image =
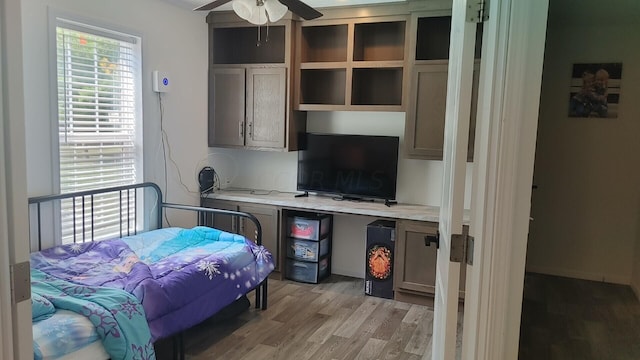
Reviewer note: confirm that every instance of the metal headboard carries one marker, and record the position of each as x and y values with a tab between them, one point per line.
83	206
129	195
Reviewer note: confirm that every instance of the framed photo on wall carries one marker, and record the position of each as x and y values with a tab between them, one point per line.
595	90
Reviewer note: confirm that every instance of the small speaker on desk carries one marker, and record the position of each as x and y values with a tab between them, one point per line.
206	178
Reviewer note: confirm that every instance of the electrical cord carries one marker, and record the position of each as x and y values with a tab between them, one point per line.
164	155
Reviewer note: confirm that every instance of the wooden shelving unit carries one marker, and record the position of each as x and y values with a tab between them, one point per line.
352	64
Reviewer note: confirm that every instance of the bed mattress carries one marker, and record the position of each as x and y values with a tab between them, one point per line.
180	276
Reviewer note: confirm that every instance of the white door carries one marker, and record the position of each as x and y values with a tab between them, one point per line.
456	137
509	90
15	316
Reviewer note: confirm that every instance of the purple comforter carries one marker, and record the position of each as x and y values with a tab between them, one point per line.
181	276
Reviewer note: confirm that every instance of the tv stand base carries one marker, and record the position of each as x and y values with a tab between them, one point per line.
305	194
390	202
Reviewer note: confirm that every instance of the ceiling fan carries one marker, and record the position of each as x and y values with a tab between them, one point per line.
260	11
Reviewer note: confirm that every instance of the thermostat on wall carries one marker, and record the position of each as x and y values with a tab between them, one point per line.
160	81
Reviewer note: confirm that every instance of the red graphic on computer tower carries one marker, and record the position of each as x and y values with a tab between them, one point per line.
379	262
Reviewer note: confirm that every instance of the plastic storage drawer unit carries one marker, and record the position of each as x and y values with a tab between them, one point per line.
309	227
309	272
310	250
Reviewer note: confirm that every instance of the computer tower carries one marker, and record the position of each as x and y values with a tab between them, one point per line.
381	237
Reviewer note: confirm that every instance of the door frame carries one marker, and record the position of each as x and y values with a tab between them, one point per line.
17	339
510	81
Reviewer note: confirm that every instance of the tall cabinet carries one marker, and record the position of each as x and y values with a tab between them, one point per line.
424	128
250	86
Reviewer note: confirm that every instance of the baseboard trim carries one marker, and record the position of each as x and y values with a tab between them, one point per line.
581	275
347	272
636	290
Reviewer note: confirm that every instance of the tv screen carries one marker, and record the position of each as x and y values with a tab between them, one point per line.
353	166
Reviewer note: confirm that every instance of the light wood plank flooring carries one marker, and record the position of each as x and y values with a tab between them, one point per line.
330	320
562	318
566	318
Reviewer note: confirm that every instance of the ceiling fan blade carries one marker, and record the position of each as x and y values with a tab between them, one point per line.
212	5
301	9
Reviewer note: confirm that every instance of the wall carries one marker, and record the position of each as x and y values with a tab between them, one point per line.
173	40
587	203
419	181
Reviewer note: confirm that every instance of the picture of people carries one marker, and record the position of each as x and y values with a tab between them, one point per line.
595	90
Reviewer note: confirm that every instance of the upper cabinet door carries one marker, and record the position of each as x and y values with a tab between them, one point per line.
226	107
266	107
425	121
424	130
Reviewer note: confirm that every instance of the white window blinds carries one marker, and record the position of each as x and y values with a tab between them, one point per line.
98	121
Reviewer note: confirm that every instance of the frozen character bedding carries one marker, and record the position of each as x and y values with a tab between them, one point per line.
179	276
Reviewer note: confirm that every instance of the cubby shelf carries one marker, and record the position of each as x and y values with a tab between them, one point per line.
353	64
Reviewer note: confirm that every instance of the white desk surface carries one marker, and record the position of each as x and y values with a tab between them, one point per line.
329	205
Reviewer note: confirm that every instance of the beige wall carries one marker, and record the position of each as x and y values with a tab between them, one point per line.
587	204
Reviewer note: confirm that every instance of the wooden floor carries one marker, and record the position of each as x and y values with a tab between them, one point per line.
331	320
561	319
566	318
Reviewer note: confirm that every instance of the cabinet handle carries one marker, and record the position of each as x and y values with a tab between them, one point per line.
429	239
241	129
250	130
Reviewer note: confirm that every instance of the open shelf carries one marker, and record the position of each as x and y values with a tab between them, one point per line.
357	64
324	43
239	45
381	41
432	41
323	86
377	86
433	37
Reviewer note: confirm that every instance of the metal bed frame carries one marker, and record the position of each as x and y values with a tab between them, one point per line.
83	206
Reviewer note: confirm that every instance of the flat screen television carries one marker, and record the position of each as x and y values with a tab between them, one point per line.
351	166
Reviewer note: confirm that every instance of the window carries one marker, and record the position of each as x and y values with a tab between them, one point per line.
99	121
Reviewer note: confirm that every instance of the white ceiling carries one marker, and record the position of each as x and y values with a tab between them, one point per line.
191	4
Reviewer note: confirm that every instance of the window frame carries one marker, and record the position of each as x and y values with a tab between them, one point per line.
91	26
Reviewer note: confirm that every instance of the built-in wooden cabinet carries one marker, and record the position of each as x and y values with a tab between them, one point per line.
351	64
268	216
424	126
250	86
415	262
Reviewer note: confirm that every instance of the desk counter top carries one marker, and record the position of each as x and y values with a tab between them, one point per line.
329	204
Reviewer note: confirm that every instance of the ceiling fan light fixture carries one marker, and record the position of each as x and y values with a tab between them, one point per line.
275	10
243	8
258	12
258	16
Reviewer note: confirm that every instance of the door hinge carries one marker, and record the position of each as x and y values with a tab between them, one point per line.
20	282
478	11
462	247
